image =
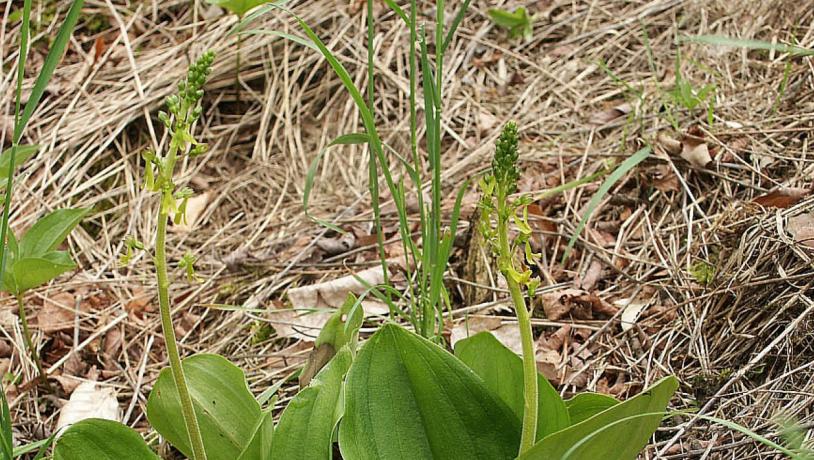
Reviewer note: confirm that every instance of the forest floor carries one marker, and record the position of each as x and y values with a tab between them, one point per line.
699	263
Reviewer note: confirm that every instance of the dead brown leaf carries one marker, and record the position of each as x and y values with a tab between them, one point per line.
592	276
694	148
507	334
782	198
312	305
57	313
665	179
337	245
612	112
801	228
670	145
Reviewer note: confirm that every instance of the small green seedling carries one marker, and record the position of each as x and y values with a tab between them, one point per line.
34	260
239	8
518	23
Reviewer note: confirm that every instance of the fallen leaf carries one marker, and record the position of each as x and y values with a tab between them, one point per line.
669	144
99	47
311	305
694	149
596	304
782	198
801	228
665	179
338	245
508	334
57	313
555	303
607	115
592	276
631	312
574	302
89	400
486	121
195	207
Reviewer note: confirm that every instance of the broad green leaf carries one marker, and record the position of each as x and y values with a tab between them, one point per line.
405	397
585	405
502	370
50	231
259	448
238	7
24	152
30	272
341	329
307	424
618	433
227	412
100	439
518	22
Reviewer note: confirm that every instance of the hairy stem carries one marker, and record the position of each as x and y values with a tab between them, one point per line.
524	323
29	343
187	410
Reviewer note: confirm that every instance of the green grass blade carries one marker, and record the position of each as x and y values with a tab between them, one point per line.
346	139
51	61
276	33
613	177
454	27
720	40
397	9
6	433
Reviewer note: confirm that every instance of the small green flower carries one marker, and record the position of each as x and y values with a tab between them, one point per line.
187	263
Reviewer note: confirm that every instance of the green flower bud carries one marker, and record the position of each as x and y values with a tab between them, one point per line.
504	163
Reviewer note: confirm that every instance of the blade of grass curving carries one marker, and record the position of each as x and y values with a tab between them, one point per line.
454	26
276	33
613	177
256	13
750	433
437	288
25	31
45	444
346	139
397	9
429	235
720	40
6	433
51	60
373	167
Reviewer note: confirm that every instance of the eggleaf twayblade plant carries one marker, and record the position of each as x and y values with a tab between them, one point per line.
184	110
496	204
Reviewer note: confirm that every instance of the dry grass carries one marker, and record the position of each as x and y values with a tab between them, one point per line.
741	345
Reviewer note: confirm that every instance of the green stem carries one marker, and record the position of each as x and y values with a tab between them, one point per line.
29	343
373	169
187	409
524	323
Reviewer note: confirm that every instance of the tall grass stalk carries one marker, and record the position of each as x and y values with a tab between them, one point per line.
21	117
